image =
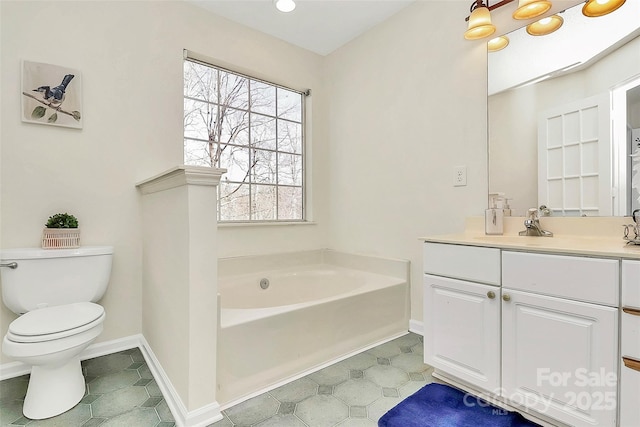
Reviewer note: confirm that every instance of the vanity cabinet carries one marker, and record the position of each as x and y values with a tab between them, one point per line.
549	326
462	312
463	329
630	345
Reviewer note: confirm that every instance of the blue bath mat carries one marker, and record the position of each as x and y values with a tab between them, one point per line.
438	405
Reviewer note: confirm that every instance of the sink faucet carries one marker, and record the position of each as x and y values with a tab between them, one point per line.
532	225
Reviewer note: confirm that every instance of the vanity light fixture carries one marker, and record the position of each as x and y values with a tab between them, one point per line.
545	26
285	5
595	8
480	25
528	9
497	43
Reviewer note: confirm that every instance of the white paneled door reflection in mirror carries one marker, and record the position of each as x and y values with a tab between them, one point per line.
547	145
574	158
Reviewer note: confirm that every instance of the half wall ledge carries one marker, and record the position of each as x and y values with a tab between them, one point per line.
179	176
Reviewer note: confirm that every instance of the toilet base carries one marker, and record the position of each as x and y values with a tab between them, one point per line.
53	390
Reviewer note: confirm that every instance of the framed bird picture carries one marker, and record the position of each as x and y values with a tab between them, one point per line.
51	95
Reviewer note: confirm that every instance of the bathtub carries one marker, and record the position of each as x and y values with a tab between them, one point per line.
323	307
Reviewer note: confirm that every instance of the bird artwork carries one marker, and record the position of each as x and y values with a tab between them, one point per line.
51	94
55	96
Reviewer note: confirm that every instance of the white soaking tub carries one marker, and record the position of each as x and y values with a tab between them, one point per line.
309	315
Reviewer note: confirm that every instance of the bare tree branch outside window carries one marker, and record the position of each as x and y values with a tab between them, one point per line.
254	130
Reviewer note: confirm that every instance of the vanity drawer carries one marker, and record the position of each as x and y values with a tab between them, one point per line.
630	344
584	279
472	263
629	392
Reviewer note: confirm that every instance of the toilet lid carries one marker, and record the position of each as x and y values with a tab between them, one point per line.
51	320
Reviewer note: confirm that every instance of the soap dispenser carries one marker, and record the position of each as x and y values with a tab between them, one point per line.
494	216
507	209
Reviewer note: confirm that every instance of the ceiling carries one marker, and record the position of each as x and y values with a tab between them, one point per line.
320	26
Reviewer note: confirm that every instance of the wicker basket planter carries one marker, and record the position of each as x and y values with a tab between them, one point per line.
60	238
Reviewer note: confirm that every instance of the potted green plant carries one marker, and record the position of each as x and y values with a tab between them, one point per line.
61	232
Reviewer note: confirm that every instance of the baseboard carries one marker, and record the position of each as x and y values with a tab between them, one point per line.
12	370
16	369
416	326
200	417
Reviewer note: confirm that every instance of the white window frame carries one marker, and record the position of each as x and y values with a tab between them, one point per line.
305	173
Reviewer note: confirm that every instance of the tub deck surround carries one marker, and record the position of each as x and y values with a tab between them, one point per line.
597	236
310	315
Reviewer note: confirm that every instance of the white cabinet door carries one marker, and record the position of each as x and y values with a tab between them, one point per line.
462	330
559	357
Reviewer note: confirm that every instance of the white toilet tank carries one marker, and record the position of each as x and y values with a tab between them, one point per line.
48	277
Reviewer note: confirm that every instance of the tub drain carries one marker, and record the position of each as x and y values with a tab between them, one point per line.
264	283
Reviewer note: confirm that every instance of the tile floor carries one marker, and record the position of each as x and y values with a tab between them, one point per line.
121	392
355	392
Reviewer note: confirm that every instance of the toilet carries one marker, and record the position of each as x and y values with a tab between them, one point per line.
55	293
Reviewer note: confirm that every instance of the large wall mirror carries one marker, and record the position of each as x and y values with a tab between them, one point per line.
564	116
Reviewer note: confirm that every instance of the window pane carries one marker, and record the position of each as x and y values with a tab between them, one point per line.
289	169
263	98
254	130
200	82
289	202
235	126
263	202
236	161
263	131
199	118
234	90
264	167
196	153
289	105
289	137
234	202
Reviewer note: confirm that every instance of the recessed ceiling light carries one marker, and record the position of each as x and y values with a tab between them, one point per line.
285	5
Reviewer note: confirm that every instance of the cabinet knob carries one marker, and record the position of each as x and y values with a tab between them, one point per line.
506	297
491	294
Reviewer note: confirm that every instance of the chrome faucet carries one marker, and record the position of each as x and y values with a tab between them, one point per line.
532	225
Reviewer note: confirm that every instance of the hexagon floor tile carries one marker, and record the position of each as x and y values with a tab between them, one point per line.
355	392
120	392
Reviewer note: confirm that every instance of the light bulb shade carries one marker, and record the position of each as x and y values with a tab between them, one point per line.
480	25
497	43
285	5
528	9
545	26
595	8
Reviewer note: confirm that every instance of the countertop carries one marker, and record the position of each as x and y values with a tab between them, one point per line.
597	244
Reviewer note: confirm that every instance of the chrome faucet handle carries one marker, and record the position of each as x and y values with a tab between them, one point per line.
532	225
533	213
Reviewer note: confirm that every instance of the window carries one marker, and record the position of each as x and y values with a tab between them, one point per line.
255	130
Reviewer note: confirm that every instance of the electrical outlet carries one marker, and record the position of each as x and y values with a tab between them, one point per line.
459	176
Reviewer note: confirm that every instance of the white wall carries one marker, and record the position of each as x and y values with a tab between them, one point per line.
130	56
408	103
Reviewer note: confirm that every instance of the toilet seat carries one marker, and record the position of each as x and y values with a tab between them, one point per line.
52	323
